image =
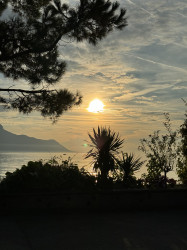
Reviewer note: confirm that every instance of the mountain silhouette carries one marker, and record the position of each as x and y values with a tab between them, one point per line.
17	143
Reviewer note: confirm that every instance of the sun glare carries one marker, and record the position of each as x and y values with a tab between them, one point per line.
95	106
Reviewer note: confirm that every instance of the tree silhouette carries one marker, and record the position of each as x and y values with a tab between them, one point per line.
182	160
29	48
183	131
106	144
160	151
127	166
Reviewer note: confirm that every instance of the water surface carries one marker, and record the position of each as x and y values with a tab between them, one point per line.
10	161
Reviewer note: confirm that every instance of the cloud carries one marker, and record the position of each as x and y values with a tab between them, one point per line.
138	73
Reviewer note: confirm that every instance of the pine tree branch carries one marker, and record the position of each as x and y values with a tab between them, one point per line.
26	91
30	51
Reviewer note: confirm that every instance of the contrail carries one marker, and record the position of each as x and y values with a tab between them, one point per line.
162	64
141	8
182	14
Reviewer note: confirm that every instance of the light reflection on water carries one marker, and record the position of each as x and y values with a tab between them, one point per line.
10	161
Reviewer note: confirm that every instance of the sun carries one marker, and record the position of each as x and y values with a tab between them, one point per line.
96	106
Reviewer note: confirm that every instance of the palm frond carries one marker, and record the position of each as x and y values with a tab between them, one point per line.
106	144
129	164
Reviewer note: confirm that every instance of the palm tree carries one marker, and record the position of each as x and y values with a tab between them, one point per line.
105	145
128	165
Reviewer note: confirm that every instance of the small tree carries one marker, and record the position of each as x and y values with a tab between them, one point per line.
182	161
127	166
160	151
105	146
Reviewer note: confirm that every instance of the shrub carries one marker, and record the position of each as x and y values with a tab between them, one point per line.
159	182
38	176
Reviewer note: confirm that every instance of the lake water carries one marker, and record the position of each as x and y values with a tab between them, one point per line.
9	161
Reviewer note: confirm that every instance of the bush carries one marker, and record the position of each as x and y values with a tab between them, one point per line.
159	182
38	176
182	171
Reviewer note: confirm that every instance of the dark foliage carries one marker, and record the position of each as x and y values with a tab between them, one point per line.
182	161
47	177
106	144
126	167
29	45
183	131
158	182
50	103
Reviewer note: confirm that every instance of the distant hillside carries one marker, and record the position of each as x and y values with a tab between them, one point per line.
17	143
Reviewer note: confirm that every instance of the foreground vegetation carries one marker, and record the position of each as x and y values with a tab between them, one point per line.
39	176
49	177
164	152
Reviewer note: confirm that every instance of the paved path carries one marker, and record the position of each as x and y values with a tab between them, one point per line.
95	231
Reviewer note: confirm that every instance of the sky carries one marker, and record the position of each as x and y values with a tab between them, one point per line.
138	73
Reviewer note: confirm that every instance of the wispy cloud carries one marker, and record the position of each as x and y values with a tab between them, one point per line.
138	73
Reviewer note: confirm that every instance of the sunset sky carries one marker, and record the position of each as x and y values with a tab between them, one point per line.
138	74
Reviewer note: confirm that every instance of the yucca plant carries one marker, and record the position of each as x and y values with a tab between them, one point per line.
105	145
127	167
